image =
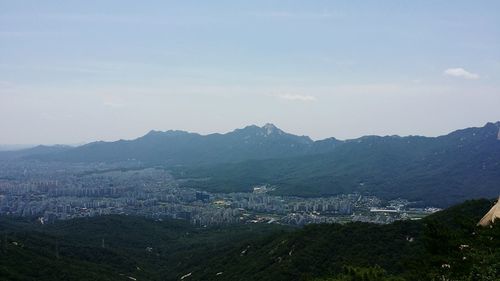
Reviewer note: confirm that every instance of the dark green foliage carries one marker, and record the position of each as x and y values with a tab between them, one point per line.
362	274
415	250
136	247
444	246
433	171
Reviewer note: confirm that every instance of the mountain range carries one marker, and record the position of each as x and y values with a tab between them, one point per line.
171	148
437	171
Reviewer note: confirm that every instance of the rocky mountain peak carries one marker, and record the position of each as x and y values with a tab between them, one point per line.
270	128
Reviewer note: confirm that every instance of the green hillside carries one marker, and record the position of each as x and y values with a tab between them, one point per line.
438	171
447	244
409	250
114	248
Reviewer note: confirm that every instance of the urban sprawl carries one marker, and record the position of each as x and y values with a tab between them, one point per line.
52	191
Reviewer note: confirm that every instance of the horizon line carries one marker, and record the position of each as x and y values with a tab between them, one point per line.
22	146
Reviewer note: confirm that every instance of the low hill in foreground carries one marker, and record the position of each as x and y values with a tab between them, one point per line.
447	244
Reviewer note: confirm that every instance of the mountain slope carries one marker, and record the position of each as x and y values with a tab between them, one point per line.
34	152
183	148
447	244
436	171
114	248
411	250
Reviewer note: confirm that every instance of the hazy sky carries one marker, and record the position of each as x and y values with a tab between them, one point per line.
78	71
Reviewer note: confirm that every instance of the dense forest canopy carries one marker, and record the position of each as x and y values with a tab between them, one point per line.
447	244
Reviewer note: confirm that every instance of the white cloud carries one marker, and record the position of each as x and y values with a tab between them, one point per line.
297	97
461	73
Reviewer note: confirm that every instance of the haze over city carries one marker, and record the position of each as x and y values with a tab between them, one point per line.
75	72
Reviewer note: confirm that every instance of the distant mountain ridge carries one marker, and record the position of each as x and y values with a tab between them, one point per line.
184	148
436	171
36	151
252	142
439	171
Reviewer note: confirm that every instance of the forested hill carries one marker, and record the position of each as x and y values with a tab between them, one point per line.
114	247
437	171
183	148
446	245
253	142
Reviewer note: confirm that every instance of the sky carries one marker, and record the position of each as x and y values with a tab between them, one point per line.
78	71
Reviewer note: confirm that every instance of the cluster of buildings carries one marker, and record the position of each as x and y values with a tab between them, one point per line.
59	193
